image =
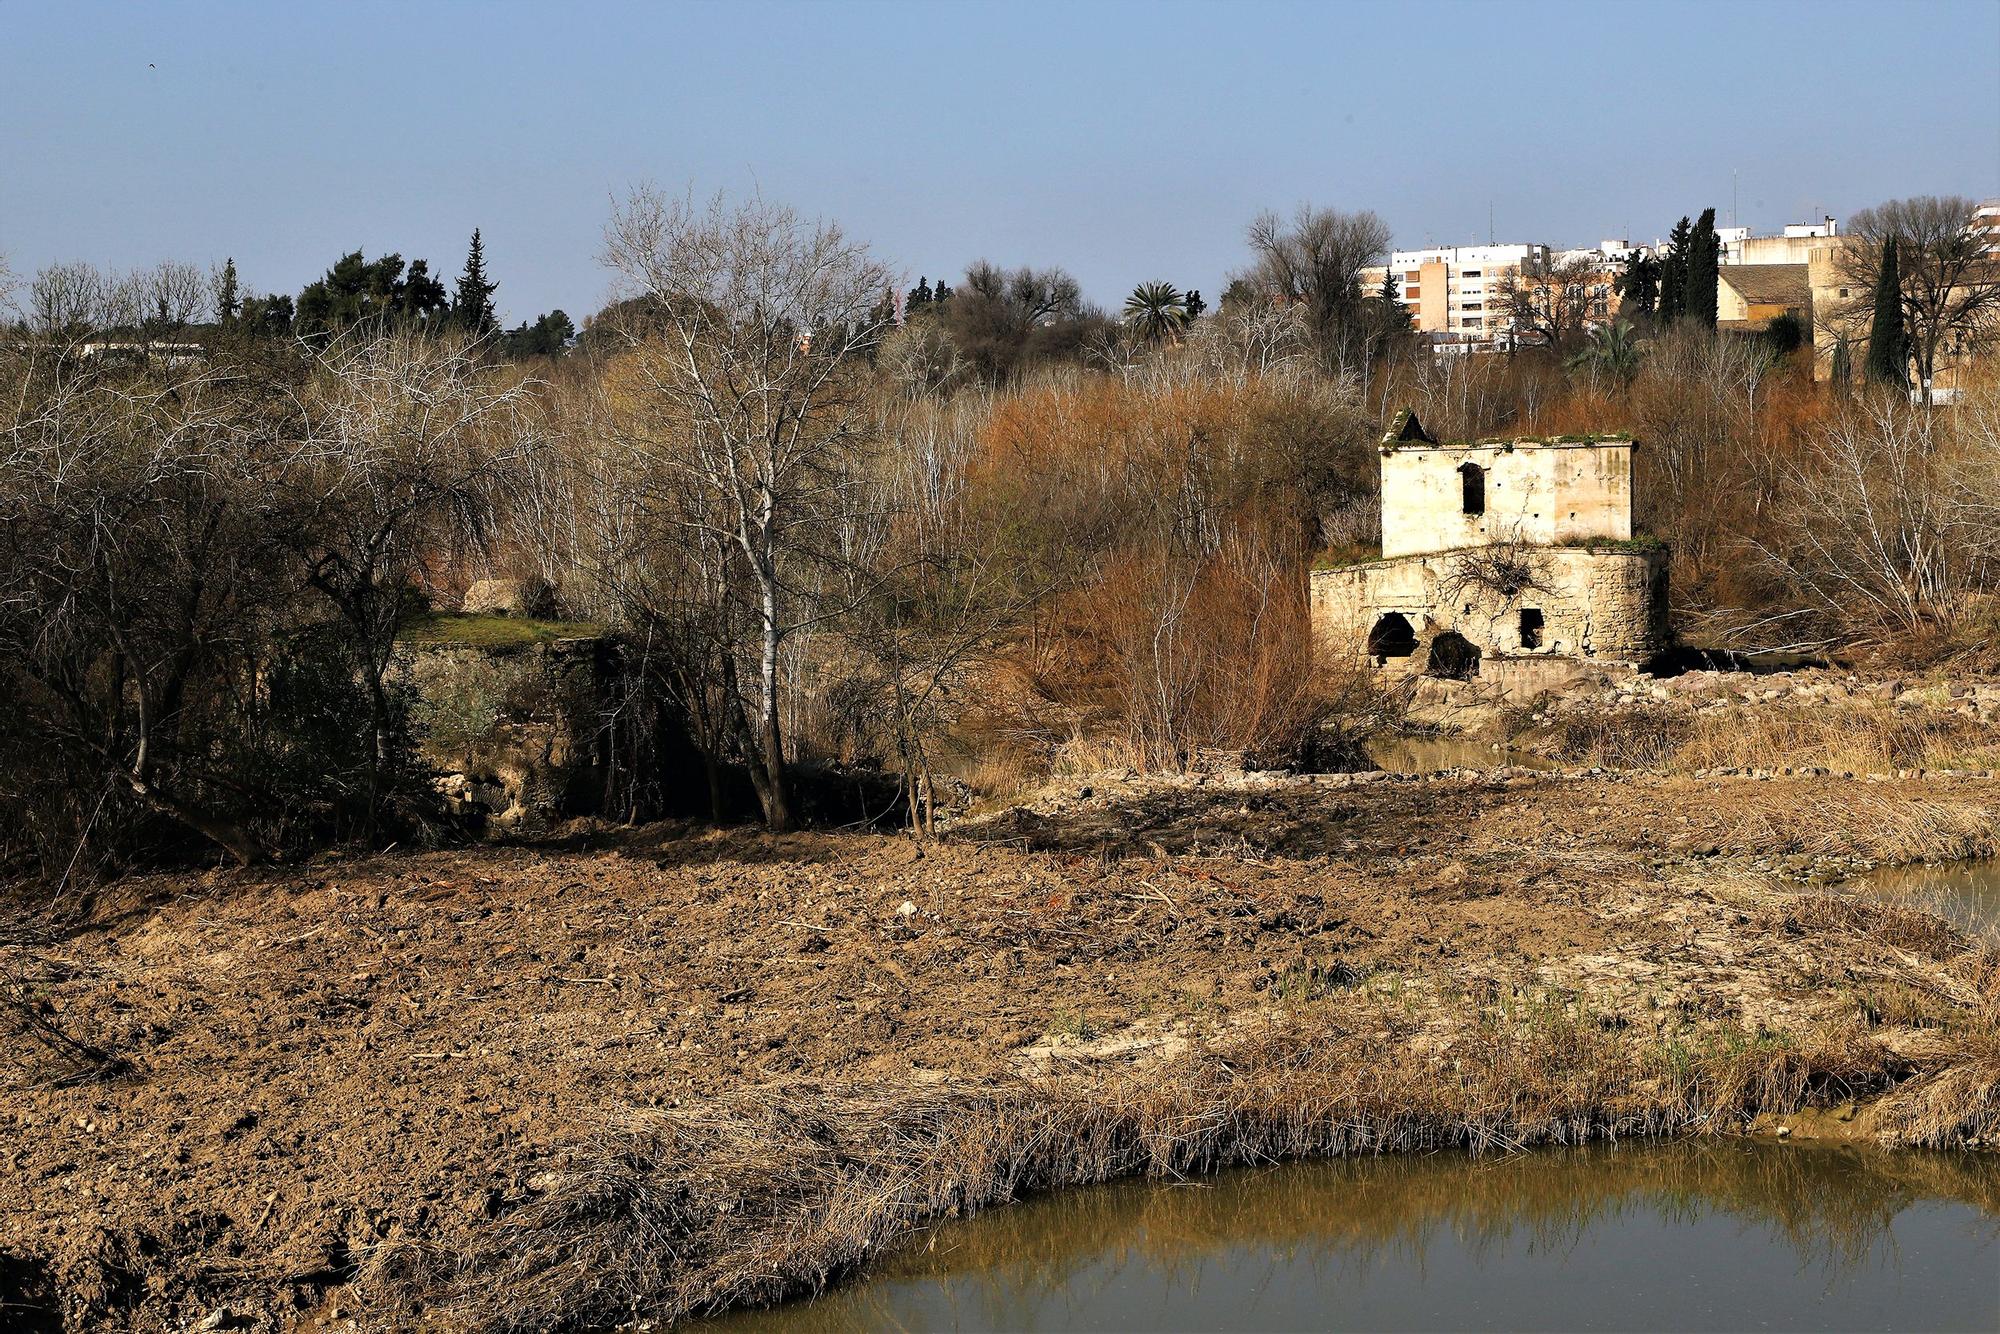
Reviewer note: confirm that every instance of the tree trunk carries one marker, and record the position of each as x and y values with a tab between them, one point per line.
712	771
775	791
229	835
768	754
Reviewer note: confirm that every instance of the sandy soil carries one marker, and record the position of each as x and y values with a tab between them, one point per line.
322	1061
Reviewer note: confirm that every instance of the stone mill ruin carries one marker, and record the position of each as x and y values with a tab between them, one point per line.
1509	561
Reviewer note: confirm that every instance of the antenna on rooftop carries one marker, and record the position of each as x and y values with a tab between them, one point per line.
1732	196
1489	222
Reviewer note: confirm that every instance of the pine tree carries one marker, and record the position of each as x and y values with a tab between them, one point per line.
473	305
1393	314
1888	342
1673	272
422	296
1195	305
918	299
228	299
1702	274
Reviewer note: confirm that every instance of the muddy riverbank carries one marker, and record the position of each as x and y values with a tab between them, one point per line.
667	1071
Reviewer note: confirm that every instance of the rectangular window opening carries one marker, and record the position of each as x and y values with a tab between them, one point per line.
1531	627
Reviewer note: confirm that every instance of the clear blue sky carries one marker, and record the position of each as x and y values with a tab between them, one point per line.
1123	142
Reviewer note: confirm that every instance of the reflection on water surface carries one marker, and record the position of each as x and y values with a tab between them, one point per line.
1967	894
1706	1236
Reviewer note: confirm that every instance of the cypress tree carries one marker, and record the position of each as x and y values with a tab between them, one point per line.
1673	272
228	300
1639	286
1701	276
1843	365
473	305
1888	342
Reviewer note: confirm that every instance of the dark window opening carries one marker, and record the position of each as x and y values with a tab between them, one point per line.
1454	656
1472	487
1392	637
1531	627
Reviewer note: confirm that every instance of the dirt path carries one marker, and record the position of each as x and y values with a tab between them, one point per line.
341	1078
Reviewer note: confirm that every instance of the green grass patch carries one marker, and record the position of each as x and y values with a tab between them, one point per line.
1339	558
447	630
1637	544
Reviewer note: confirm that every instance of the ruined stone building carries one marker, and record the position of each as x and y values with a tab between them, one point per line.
1511	561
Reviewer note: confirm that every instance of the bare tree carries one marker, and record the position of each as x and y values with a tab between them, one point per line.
922	360
751	356
406	445
66	300
1889	522
1003	321
1316	261
131	587
125	302
1951	284
176	294
1557	306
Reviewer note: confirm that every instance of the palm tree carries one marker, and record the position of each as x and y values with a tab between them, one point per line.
1611	351
1156	311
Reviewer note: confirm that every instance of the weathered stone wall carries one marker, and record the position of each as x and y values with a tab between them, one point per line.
1544	493
1607	605
515	732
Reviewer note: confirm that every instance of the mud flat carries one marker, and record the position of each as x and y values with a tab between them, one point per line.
668	1072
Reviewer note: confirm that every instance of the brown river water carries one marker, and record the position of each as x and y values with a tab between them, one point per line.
1967	894
1690	1236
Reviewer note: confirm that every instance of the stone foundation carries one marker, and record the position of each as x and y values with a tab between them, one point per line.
1518	615
516	733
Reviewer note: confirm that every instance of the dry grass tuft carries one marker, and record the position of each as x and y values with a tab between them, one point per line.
1822	820
1862	738
1956	1107
1903	928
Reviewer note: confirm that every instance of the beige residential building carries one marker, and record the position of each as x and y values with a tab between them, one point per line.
1749	296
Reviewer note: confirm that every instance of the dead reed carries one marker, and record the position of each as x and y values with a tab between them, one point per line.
1860	737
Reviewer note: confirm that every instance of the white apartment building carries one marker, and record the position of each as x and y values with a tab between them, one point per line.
1986	222
1792	246
1609	256
1454	291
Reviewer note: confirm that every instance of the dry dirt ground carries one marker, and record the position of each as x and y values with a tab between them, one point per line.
320	1067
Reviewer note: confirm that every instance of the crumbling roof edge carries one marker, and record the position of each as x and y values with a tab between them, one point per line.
1506	442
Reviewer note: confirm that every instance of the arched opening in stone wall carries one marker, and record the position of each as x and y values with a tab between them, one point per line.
1453	656
1392	637
1472	488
